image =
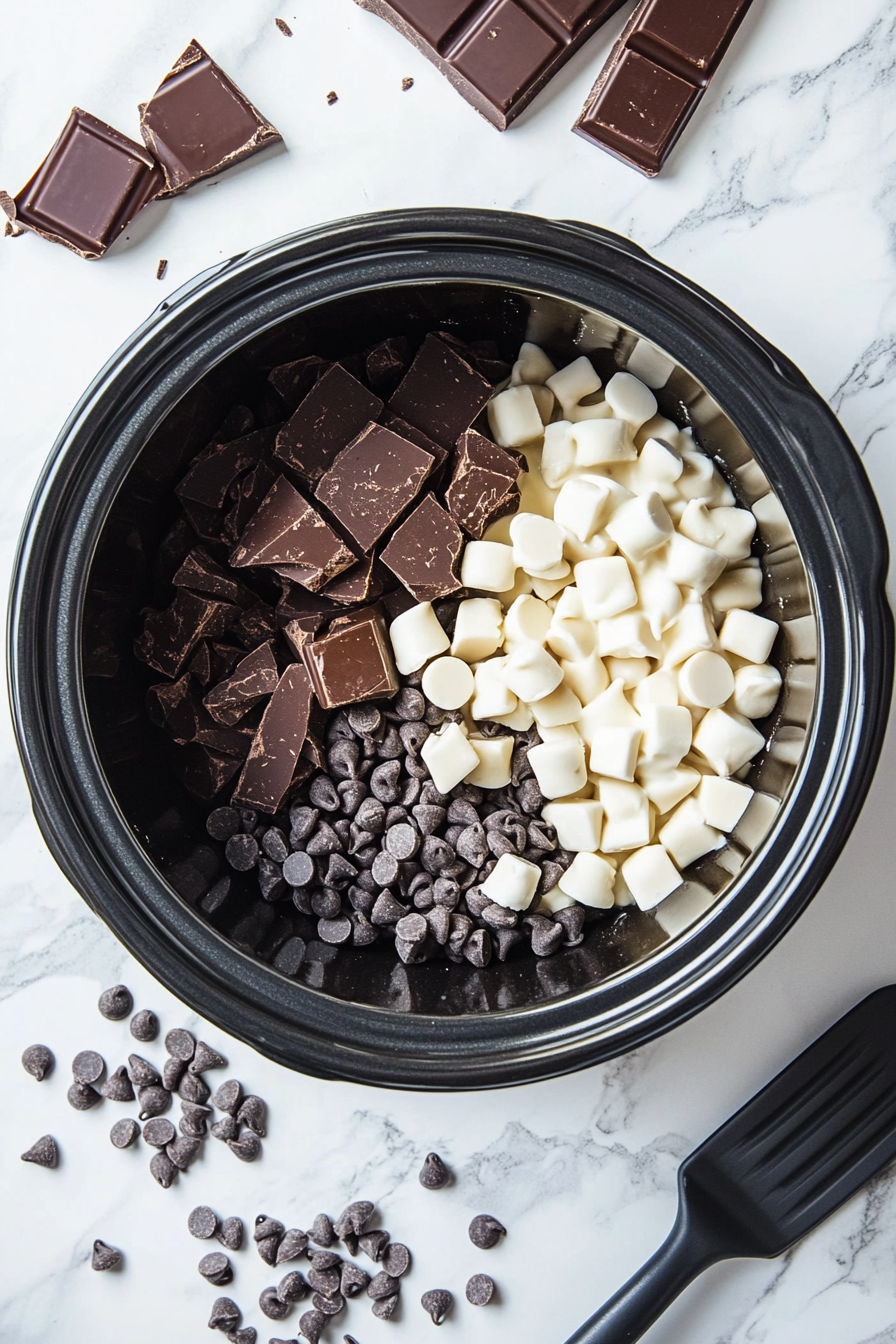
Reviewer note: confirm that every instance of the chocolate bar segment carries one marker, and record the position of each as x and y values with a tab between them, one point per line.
441	394
197	123
655	77
498	54
288	531
272	759
353	662
170	637
332	414
425	552
212	474
89	187
372	481
483	484
254	678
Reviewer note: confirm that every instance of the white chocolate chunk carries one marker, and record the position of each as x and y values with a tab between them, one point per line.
665	788
659	597
559	767
697	480
614	752
610	709
512	882
589	879
630	399
691	632
640	526
748	635
449	757
660	688
487	565
756	822
552	901
621	894
649	364
578	824
558	458
630	671
605	586
514	417
686	835
581	506
416	636
548	588
561	570
756	690
626	816
650	876
601	443
492	695
737	528
559	707
478	629
527	621
568	606
448	683
737	589
576	551
726	741
706	680
590	410
573	383
722	802
627	636
586	677
774	525
693	565
667	735
532	365
683	908
493	770
660	427
544	400
531	672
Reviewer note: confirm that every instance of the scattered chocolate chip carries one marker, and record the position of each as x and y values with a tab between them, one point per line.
384	1307
330	1305
193	1087
271	1305
397	1259
292	1287
480	1290
88	1067
434	1175
44	1153
352	1280
284	27
225	1315
354	1217
202	1223
225	1128
374	1244
153	1101
230	1233
241	852
141	1072
324	1259
193	1119
325	1281
163	1169
438	1302
253	1112
486	1231
116	1003
204	1057
228	1096
247	1335
81	1096
124	1132
118	1086
181	1044
266	1227
247	1147
293	1243
38	1060
382	1285
312	1325
217	1268
172	1072
158	1133
144	1025
105	1257
183	1150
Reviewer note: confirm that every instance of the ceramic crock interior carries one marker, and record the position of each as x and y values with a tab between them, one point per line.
124	579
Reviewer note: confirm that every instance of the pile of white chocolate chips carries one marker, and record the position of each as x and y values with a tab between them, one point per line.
621	623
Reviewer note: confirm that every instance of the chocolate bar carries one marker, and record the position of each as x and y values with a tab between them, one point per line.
273	756
497	53
655	77
287	531
372	481
425	552
197	123
353	662
89	187
332	414
441	393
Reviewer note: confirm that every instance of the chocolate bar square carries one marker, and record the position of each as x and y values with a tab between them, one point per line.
425	552
332	414
639	112
372	481
353	662
288	531
441	393
508	52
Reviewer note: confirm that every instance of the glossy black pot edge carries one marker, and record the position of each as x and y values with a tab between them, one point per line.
200	979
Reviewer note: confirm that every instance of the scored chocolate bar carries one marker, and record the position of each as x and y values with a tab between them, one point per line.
655	77
497	53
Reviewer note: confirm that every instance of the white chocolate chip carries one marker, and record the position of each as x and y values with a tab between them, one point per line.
487	565
548	588
693	565
737	588
493	770
756	690
658	469
571	638
573	383
578	824
630	399
610	709
589	879
626	816
748	635
586	677
737	528
697	480
665	788
492	695
478	629
706	680
559	767
448	683
649	364
601	443
660	688
697	524
640	526
627	636
658	596
554	900
722	802
728	743
691	632
650	876
667	735
558	458
614	752
532	366
559	707
520	720
527	621
512	882
686	835
514	417
531	672
581	506
605	586
449	757
416	636
630	671
598	410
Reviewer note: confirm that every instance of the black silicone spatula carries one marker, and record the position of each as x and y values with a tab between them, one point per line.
786	1160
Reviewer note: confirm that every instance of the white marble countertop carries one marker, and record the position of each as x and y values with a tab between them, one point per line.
782	200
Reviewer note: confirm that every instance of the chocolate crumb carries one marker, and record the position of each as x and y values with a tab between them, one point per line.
162	268
284	27
332	98
406	83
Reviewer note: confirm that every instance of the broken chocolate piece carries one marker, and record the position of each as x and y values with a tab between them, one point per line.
425	552
212	474
204	773
332	414
353	662
293	381
254	678
89	187
197	123
271	764
364	582
483	484
440	393
255	626
372	481
288	531
250	492
386	363
204	575
170	636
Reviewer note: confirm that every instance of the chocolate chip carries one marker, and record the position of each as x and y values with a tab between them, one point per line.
184	1150
105	1257
292	1287
478	948
352	1280
44	1153
374	1244
118	1086
216	1268
88	1067
141	1072
546	935
364	719
397	1259
163	1169
247	1147
81	1096
202	1223
223	823
292	1244
241	852
248	1335
38	1060
144	1025
434	1175
116	1003
324	840
172	1072
486	1231
311	1325
153	1101
253	1112
480	1290
530	797
205	1057
228	1096
435	855
225	1128
230	1233
159	1133
271	1305
384	1307
194	1088
402	841
225	1315
123	1133
382	1285
274	844
384	782
573	921
193	1120
504	941
321	1232
387	910
438	1302
322	792
325	1281
266	1227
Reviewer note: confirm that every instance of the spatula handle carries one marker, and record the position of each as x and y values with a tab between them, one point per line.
645	1297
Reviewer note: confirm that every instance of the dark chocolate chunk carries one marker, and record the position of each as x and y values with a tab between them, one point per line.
170	636
499	56
197	123
353	662
293	381
483	484
203	575
372	481
123	1133
425	551
204	772
216	1267
271	764
116	1003
385	363
440	393
287	531
362	582
202	1222
38	1060
118	1086
480	1290
89	187
655	77
215	470
486	1232
250	491
44	1153
438	1302
333	413
252	679
105	1257
144	1025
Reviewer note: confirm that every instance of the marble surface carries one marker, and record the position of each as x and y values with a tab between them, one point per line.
782	200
